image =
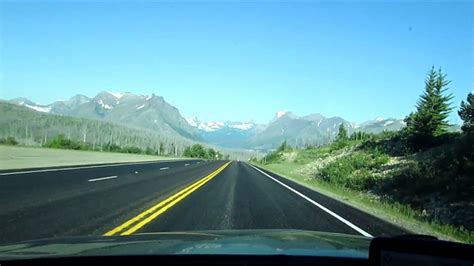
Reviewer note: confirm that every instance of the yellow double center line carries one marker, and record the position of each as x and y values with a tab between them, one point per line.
137	222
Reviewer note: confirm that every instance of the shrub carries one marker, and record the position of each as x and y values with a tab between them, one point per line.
339	144
61	142
111	147
272	157
353	171
150	151
132	149
198	151
8	141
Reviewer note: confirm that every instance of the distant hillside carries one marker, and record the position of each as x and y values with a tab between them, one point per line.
138	111
154	114
35	128
313	129
288	127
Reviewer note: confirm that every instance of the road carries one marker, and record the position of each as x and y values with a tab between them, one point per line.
134	198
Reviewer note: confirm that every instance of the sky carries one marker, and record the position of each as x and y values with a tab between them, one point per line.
240	61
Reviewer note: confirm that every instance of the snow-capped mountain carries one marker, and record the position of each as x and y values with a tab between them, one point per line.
149	112
205	126
297	130
35	106
243	126
218	125
153	113
229	134
380	124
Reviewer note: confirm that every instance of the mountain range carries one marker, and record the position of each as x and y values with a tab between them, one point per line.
154	114
136	111
313	129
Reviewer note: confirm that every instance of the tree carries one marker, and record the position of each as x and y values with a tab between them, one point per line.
466	112
149	151
432	110
195	151
162	148
342	134
359	135
211	154
283	146
61	142
131	149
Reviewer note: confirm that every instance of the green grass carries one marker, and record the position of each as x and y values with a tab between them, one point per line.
13	157
398	214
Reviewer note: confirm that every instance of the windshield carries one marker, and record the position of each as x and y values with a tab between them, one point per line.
315	126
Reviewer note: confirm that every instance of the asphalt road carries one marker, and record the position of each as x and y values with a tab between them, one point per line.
134	198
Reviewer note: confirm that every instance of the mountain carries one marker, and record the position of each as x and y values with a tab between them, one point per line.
135	111
154	114
298	131
27	103
34	128
314	129
31	127
379	124
227	134
66	107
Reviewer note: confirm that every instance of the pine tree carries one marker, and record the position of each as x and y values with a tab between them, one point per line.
283	146
432	110
342	134
466	112
442	108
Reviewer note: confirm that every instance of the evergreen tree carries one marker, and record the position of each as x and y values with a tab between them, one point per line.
342	134
432	110
466	112
283	146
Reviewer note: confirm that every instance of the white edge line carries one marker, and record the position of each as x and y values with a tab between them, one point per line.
75	168
164	168
102	178
351	225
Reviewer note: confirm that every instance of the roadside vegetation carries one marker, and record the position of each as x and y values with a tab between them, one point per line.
24	127
62	142
199	151
8	141
30	128
421	177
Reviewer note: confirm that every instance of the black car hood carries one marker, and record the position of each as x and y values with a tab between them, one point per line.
245	242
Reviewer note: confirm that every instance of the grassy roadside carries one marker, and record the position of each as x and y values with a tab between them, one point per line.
398	214
14	157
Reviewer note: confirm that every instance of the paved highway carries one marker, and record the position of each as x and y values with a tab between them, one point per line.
125	199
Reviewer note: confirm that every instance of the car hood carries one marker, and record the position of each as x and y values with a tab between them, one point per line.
235	242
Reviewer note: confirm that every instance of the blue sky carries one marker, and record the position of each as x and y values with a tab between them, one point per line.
240	61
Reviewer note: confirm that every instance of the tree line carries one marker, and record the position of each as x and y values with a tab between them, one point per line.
62	142
199	151
30	128
19	125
